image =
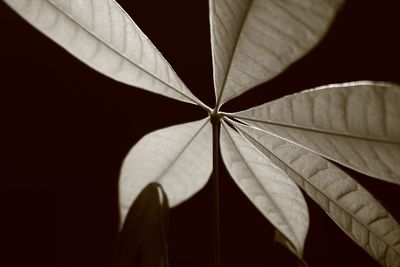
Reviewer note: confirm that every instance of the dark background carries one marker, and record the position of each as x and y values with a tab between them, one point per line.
65	130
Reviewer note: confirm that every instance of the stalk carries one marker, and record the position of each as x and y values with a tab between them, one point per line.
215	192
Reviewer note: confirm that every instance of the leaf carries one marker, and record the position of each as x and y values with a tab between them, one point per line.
143	239
355	124
252	41
285	243
103	36
178	157
348	204
267	187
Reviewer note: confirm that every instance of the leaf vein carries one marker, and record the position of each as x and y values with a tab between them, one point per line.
124	56
330	201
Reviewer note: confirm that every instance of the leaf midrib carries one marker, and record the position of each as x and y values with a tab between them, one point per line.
218	103
320	131
161	175
272	201
317	189
120	53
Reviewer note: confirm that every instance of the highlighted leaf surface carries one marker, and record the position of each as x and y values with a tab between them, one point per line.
356	124
254	40
179	158
276	196
103	36
348	204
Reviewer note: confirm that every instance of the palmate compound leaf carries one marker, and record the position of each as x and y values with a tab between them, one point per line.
179	158
348	204
275	195
254	40
103	36
355	124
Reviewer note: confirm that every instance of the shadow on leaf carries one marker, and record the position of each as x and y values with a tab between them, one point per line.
143	238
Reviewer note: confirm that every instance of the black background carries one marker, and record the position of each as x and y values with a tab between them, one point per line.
65	130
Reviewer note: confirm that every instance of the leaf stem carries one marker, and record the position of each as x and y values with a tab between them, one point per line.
215	184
